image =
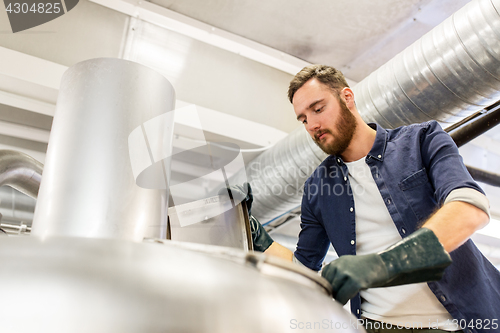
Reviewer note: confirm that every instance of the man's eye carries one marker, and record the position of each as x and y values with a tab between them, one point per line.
319	110
304	121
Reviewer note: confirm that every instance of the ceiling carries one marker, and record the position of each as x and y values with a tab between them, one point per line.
356	36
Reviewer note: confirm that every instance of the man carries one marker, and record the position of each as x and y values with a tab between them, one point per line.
406	187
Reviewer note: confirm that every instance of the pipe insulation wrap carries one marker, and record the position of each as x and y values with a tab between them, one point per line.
448	74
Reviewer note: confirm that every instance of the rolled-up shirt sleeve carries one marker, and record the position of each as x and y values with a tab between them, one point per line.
470	196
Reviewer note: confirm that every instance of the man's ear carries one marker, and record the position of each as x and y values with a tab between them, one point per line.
348	96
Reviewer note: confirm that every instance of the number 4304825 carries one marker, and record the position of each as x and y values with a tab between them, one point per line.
40	8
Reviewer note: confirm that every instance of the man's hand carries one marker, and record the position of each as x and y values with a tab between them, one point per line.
239	193
418	258
260	238
350	274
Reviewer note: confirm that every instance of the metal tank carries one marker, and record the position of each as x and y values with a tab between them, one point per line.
61	285
105	174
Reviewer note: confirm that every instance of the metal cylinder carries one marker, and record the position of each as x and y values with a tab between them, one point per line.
109	127
475	127
484	176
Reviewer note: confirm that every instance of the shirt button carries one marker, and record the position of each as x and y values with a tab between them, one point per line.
338	160
443	298
351	209
352	242
389	201
379	156
403	230
345	179
357	311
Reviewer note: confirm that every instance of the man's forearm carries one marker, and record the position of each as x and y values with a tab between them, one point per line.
280	251
455	222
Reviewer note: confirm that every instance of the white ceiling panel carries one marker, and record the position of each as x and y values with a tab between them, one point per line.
355	36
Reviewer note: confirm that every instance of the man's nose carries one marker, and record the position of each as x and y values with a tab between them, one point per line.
312	125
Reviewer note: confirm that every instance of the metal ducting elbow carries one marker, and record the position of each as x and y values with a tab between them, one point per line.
450	73
21	172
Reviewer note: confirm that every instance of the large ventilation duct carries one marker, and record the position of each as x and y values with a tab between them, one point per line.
451	72
112	128
448	74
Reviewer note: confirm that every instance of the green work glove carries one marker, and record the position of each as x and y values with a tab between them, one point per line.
240	193
260	238
419	257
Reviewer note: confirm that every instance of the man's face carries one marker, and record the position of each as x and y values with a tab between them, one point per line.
326	117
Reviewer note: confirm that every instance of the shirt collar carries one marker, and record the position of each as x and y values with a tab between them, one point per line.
378	149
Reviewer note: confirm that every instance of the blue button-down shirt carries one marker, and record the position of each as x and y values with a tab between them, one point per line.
415	168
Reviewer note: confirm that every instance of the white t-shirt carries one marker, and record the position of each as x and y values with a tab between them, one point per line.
412	305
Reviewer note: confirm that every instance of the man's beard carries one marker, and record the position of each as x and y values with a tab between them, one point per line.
346	126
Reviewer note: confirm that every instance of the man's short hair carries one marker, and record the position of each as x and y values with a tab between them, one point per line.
331	77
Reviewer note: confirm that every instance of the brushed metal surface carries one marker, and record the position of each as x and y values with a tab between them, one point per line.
212	221
64	284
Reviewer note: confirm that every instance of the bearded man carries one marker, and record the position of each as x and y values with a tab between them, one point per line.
417	206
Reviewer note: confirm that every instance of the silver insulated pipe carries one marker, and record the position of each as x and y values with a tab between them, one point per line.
105	175
451	72
448	74
21	172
